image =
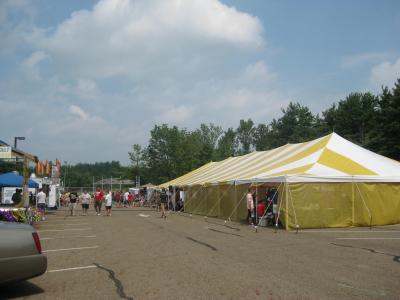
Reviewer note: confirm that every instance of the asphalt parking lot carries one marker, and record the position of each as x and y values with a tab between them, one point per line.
134	254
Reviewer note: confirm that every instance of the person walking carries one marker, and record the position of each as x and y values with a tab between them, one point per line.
98	200
73	199
108	203
250	207
118	195
126	200
164	201
41	204
85	200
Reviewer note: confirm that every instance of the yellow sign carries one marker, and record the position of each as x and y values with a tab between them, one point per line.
5	152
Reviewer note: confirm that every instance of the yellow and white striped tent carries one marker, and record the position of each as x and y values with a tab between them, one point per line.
327	182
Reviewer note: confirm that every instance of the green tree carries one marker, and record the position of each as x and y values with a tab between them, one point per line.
262	137
227	145
296	125
208	136
353	118
245	135
385	137
136	158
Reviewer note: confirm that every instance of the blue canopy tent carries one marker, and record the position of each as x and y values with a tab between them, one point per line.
13	180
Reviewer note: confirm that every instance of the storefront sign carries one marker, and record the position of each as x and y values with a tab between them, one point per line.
5	152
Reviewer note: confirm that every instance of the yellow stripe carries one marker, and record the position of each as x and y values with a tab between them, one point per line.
183	177
216	166
296	171
245	166
314	148
227	168
339	162
257	167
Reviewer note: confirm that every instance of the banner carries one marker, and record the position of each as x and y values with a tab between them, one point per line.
48	168
5	152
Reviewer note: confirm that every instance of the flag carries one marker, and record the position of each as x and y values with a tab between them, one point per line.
39	168
58	168
48	168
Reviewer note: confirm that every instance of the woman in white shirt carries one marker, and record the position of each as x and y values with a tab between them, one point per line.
108	203
250	206
85	200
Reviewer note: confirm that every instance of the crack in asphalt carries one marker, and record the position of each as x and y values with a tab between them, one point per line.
202	243
396	258
216	230
117	282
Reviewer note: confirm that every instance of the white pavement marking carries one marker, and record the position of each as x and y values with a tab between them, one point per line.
67	237
76	224
69	249
144	216
71	229
369	238
348	231
71	269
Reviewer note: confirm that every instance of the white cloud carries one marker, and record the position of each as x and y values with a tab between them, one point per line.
385	74
30	66
140	63
76	110
142	38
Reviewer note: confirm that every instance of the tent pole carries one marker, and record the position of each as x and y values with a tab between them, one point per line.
255	209
352	201
286	205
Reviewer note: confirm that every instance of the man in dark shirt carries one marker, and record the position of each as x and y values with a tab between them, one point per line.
17	197
73	198
164	201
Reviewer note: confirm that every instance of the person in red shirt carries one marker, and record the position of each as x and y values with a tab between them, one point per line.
98	200
130	199
260	209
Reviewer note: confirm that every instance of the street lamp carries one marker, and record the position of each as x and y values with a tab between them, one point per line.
21	138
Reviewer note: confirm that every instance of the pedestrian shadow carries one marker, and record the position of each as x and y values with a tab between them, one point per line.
19	289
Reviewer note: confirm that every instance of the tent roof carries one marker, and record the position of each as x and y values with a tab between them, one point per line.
329	158
148	185
13	180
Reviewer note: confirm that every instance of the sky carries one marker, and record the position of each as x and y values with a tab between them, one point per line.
84	80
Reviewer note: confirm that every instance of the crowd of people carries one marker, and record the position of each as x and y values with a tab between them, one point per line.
98	198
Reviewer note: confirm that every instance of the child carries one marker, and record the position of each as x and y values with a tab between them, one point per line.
108	203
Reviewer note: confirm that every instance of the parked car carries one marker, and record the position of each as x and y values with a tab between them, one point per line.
20	253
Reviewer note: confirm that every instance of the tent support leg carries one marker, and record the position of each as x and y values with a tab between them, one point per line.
286	206
352	203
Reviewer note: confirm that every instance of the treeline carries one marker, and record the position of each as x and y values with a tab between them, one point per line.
371	121
82	174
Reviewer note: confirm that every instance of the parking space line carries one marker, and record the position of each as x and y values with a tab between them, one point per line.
71	269
143	216
69	249
349	231
67	237
70	229
368	238
69	224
